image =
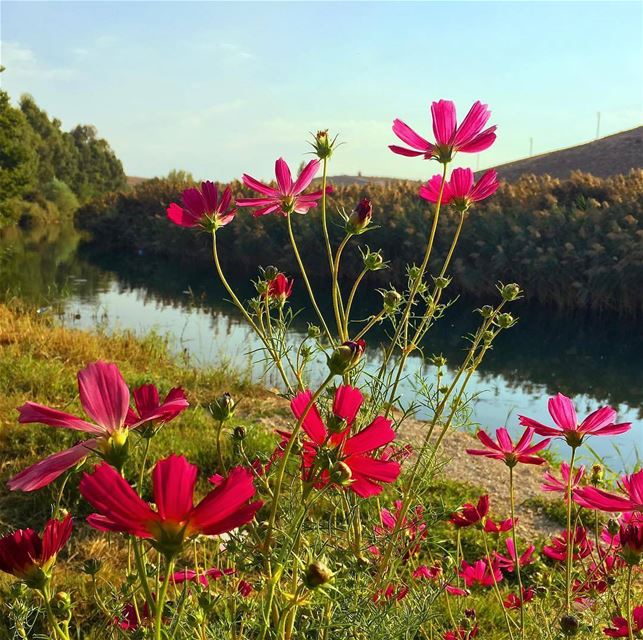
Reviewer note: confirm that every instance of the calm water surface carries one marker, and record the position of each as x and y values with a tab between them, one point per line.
595	362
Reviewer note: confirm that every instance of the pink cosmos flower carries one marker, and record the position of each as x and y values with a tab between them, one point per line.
480	573
391	592
554	484
105	397
509	563
501	527
561	409
469	514
148	405
557	549
462	634
469	137
175	519
332	455
30	557
460	191
203	208
412	528
279	288
422	572
203	577
631	486
514	601
509	452
129	620
626	518
456	591
621	626
288	197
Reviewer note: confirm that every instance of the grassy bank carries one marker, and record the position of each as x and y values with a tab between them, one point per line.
572	244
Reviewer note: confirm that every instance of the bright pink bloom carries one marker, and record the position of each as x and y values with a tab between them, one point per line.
203	208
462	634
469	137
626	518
501	527
631	539
332	455
456	591
30	557
515	602
244	588
203	577
480	573
557	549
287	197
554	484
279	288
391	592
149	406
507	451
412	528
460	191
129	619
631	486
561	409
176	518
509	563
469	514
621	626
105	397
423	572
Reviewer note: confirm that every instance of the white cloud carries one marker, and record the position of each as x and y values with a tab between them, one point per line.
22	61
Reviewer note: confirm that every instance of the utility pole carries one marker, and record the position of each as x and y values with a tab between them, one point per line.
598	124
531	147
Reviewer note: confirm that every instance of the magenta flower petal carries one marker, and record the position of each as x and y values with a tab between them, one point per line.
561	409
410	137
481	142
347	403
104	394
376	435
173	480
32	412
485	187
260	187
305	177
402	151
284	179
313	424
444	121
472	124
48	469
55	536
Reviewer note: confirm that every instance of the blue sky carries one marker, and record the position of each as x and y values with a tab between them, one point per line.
222	88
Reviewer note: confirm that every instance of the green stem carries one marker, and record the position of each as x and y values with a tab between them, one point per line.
58	632
351	297
158	613
629	615
371	323
219	453
515	540
141	474
329	251
246	315
142	574
570	541
496	588
302	269
336	292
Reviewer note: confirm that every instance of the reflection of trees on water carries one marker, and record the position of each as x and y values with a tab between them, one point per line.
559	353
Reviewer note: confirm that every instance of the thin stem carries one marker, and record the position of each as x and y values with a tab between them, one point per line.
302	269
336	293
495	587
515	540
246	315
142	574
628	604
58	632
141	474
370	324
329	251
351	297
158	615
570	543
219	453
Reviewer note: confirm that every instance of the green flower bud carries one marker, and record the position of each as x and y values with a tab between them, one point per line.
569	625
596	476
223	408
442	283
92	566
392	300
613	526
438	361
373	260
488	336
323	145
61	604
341	474
505	320
239	433
360	217
486	311
317	574
509	292
346	356
313	331
270	273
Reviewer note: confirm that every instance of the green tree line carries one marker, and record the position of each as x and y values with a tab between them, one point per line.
45	172
574	244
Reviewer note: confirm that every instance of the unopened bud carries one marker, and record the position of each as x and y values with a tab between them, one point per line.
341	474
346	356
505	320
510	292
313	331
223	407
317	574
61	603
613	526
323	145
392	300
442	283
486	311
438	361
239	433
596	477
569	625
270	273
360	217
92	566
373	260
488	336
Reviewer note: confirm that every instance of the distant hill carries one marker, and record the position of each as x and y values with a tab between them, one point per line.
609	156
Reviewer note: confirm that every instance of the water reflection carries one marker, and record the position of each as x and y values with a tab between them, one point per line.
543	354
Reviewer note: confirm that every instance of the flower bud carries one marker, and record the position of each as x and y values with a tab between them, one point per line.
470	613
438	361
509	292
323	145
61	604
505	320
442	283
486	311
596	476
314	331
613	526
341	474
569	625
336	424
239	433
392	300
414	273
346	356
270	273
373	260
488	336
631	540
317	574
222	408
92	566
360	217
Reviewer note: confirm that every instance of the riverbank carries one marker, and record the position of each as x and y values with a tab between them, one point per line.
573	245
